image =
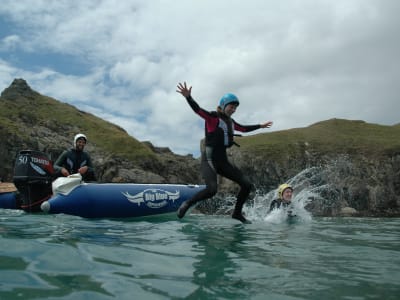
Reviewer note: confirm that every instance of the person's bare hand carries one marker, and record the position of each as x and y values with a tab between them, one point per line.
266	124
184	90
83	170
65	172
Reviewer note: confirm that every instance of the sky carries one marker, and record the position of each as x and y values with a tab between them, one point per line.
293	62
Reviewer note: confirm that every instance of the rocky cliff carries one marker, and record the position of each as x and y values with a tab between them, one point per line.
347	167
343	167
29	120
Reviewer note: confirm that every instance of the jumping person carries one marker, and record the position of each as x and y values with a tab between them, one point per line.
285	193
75	160
219	131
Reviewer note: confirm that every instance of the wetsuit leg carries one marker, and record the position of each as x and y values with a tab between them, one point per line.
210	177
229	171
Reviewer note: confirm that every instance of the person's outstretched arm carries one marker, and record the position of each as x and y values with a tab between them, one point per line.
187	93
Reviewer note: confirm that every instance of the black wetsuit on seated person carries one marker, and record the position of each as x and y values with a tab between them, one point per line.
219	131
72	160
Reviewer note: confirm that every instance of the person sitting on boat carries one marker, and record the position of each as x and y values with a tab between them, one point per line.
219	131
75	160
285	193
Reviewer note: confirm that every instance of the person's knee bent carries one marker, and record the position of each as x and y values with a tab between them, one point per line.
245	189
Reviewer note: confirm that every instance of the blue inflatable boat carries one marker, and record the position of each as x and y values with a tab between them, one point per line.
36	192
8	199
119	200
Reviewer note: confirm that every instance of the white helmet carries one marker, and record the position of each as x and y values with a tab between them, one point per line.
79	136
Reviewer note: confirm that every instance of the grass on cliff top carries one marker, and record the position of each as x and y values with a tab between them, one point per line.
327	137
67	120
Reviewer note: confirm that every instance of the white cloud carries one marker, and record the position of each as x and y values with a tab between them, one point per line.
9	43
293	62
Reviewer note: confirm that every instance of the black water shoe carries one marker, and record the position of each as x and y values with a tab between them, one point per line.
241	218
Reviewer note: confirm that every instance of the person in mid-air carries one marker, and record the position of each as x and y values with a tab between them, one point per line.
219	132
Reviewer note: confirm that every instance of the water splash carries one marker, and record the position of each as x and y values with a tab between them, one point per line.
306	186
259	210
320	189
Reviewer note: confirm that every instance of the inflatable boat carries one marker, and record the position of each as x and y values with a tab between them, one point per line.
36	191
8	195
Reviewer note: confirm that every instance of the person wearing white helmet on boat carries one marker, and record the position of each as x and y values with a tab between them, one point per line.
219	133
75	160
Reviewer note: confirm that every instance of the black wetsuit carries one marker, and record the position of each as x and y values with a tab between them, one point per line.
219	130
275	204
72	160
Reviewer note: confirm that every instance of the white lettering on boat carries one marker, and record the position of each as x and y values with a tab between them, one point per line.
40	161
153	198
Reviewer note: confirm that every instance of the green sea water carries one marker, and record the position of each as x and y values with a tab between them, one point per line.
198	257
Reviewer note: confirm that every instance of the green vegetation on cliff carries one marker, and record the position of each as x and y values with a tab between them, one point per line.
335	136
22	109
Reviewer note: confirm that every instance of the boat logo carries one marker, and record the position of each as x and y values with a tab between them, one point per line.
41	161
37	169
40	165
153	198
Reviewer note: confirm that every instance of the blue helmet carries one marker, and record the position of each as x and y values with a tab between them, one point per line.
228	99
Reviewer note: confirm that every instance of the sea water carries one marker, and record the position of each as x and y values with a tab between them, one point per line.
198	257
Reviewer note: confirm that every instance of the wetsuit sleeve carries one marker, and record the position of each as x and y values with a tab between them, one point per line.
245	128
59	164
272	206
90	174
210	118
193	104
89	163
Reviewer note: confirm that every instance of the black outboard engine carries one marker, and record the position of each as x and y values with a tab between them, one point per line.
33	174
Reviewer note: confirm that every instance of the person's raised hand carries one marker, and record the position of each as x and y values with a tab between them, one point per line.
184	90
266	124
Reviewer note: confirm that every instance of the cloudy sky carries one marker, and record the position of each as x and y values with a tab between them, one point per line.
295	62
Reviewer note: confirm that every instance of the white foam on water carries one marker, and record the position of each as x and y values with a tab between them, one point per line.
259	211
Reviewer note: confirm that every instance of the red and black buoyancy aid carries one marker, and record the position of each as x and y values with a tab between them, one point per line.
219	128
219	131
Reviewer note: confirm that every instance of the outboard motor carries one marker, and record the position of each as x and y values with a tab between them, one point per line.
33	174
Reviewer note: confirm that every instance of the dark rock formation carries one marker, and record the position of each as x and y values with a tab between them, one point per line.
19	89
339	184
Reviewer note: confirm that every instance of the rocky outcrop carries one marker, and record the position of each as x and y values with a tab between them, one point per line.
19	90
168	168
337	184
